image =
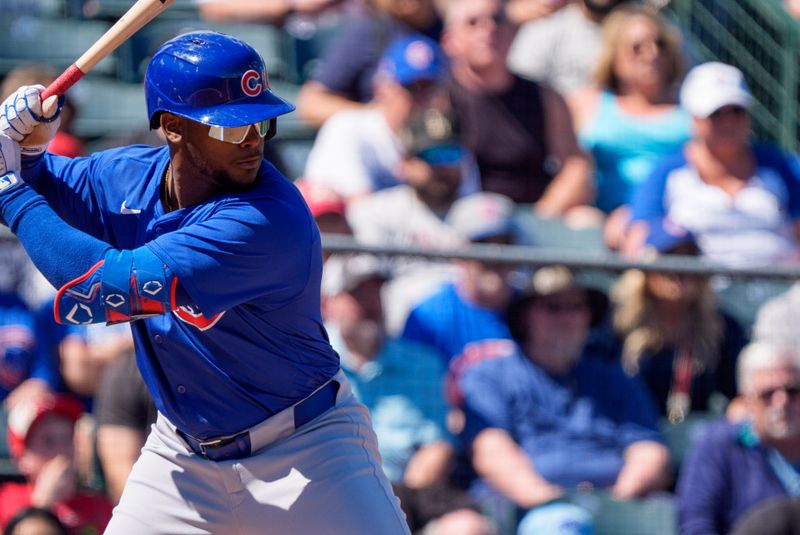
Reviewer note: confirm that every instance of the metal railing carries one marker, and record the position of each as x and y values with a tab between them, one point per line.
760	38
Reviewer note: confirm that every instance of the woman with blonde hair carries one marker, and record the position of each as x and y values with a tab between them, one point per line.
628	119
672	334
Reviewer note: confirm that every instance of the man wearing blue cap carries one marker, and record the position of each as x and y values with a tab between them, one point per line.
215	260
359	151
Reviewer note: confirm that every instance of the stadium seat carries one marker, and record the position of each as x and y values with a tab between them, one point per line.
651	516
135	53
106	106
54	42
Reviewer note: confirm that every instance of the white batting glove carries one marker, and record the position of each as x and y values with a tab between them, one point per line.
23	120
9	155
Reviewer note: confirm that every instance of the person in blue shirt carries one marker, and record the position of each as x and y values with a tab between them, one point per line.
734	467
553	417
464	320
739	197
400	382
27	368
215	259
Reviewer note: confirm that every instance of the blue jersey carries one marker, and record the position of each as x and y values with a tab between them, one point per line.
251	341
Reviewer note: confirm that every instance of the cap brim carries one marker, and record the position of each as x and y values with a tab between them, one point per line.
265	106
744	100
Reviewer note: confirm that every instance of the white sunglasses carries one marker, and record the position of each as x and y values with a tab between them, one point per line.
237	134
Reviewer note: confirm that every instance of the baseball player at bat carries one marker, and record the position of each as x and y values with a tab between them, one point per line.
215	260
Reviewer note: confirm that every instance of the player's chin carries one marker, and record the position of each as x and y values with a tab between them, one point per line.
245	172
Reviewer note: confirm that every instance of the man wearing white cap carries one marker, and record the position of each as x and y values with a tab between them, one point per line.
740	198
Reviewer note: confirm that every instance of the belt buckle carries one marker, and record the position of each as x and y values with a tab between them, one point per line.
215	443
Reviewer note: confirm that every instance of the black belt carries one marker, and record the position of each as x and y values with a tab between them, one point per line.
239	445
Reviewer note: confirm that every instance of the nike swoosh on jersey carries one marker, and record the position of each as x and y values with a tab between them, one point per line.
125	210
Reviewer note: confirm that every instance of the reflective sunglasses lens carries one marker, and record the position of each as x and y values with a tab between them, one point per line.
229	134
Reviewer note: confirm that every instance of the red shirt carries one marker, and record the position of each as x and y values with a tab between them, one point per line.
83	514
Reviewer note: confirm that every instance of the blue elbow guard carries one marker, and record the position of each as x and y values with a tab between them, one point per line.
124	286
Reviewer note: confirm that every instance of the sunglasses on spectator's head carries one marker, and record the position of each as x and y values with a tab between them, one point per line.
733	109
237	134
792	392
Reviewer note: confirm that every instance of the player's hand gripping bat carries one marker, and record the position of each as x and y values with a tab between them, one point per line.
139	14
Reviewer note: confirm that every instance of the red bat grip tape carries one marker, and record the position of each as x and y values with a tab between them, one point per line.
63	82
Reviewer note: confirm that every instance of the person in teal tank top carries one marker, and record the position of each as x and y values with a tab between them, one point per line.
626	146
630	118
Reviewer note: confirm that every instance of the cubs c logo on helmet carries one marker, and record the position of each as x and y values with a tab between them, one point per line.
252	83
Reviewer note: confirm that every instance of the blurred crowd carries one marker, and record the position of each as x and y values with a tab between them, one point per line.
503	397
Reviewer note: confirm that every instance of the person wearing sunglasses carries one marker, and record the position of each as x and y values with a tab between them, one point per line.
734	468
360	151
628	117
556	416
519	131
738	196
215	260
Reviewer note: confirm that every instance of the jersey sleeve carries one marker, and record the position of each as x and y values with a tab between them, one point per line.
67	186
245	250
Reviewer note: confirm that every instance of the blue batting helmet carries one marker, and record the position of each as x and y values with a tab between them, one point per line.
211	78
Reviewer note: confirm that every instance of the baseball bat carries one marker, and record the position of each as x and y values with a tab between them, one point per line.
139	14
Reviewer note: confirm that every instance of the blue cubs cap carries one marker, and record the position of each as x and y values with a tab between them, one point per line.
412	58
665	235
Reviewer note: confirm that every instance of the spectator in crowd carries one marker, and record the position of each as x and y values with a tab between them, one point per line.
273	12
464	320
779	516
27	368
522	11
19	276
629	119
734	467
520	132
400	383
344	75
792	7
328	209
414	213
40	437
124	412
776	319
553	417
671	333
561	50
360	151
65	142
739	198
35	521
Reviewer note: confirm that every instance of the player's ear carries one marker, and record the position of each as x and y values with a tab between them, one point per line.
172	126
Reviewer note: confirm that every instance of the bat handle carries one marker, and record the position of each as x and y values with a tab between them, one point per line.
60	85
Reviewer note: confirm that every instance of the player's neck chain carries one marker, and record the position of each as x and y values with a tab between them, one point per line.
165	189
